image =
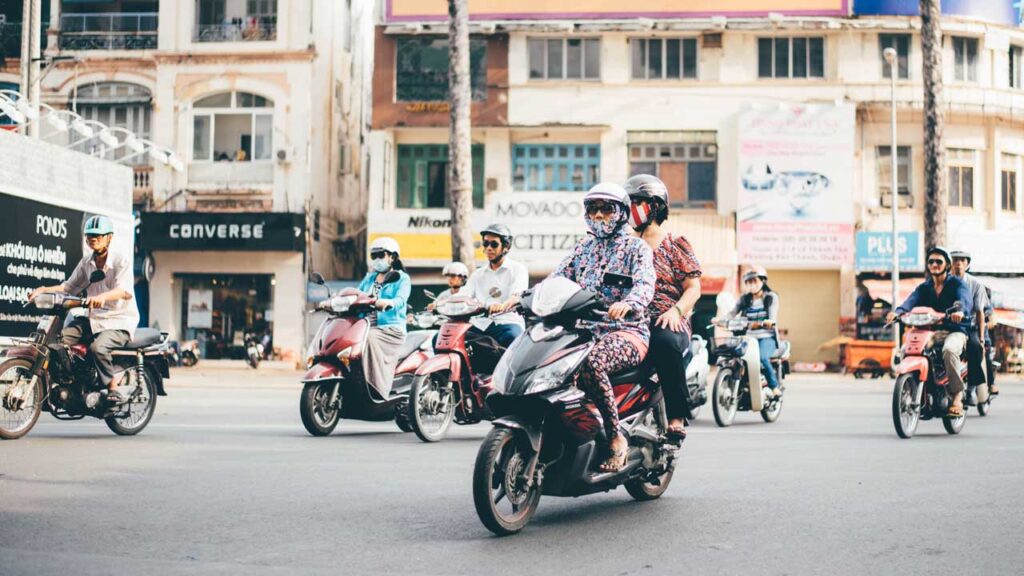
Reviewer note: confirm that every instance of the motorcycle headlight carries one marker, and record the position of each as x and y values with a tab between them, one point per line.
551	376
918	320
45	301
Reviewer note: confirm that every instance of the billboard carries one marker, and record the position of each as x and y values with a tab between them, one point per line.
874	251
424	10
795	199
1006	12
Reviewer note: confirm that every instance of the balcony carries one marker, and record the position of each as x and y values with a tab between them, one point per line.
109	31
249	29
143	188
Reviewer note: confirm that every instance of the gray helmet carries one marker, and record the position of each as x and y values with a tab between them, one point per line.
501	231
961	254
646	187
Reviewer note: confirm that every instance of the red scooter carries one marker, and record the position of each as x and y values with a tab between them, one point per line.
920	392
453	384
335	386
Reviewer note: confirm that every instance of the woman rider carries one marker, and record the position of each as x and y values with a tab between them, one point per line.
619	268
760	305
676	292
387	331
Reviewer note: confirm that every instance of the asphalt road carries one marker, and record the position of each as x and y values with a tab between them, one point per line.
226	481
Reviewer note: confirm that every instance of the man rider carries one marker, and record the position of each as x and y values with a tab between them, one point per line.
980	308
113	316
499	284
942	291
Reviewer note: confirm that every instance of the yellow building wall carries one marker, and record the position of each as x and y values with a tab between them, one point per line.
809	309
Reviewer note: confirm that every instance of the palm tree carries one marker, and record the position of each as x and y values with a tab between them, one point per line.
459	146
935	196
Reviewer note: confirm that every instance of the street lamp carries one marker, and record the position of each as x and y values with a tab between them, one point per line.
84	127
12	109
131	141
890	57
156	154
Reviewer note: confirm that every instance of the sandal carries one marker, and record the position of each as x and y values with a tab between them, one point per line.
676	432
955	412
115	398
615	462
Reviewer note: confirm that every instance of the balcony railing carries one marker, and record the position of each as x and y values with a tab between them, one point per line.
238	30
10	40
109	31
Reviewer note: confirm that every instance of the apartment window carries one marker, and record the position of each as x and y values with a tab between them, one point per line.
1016	77
421	68
688	166
232	127
1008	190
423	176
791	57
961	178
884	176
555	167
901	43
663	58
564	58
236	20
965	59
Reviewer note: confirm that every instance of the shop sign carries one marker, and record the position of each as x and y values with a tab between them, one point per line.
545	225
874	251
795	201
1006	12
40	244
200	309
280	231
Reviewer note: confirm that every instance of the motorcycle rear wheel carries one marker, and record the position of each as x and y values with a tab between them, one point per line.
771	412
984	407
724	401
499	466
904	417
642	489
139	412
954	425
16	423
318	418
431	409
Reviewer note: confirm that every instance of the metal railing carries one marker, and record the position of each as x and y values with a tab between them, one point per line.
109	31
238	30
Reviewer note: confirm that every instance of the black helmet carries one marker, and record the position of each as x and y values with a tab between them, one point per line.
961	254
941	252
645	186
501	231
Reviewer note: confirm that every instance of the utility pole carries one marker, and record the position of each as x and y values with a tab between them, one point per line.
31	53
460	165
935	198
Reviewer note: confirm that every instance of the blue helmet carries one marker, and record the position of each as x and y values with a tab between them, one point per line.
99	225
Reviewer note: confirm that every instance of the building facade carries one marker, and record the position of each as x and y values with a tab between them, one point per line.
562	100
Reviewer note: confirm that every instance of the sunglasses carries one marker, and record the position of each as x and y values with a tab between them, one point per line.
606	209
936	262
377	255
491	244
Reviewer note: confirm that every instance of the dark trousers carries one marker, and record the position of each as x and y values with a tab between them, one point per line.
975	360
505	334
668	353
101	345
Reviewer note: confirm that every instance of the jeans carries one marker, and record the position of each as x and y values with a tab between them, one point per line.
768	347
668	353
504	333
101	345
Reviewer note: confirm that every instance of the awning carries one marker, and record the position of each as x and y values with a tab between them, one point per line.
1007	293
711	284
882	289
1011	318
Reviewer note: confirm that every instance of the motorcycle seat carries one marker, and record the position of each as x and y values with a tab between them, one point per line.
413	340
144	338
635	375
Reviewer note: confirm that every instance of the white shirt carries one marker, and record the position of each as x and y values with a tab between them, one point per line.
116	315
496	286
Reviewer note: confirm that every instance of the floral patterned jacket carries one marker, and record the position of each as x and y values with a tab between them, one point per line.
623	254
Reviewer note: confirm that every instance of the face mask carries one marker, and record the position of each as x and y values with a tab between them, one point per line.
380	265
639	215
602	229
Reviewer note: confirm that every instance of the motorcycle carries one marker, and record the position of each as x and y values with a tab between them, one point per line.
335	386
980	395
697	370
253	351
43	374
739	374
920	390
546	433
453	384
189	353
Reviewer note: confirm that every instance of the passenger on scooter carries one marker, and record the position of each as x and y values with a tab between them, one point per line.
456	274
760	305
499	285
980	307
940	292
387	332
990	324
619	267
676	292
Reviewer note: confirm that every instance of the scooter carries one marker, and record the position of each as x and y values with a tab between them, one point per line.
920	392
697	370
739	385
189	355
253	351
335	386
453	384
547	434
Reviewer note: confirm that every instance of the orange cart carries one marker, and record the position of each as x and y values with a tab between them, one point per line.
868	358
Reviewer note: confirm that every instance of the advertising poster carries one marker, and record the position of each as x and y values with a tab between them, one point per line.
200	309
40	245
795	204
546	225
874	251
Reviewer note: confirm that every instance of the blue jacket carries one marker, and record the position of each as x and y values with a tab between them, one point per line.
397	292
953	291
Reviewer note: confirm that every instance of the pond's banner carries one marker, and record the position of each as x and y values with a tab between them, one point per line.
795	194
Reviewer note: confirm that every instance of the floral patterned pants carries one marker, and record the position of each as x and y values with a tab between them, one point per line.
613	353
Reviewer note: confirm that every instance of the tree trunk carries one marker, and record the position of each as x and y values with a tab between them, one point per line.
460	166
935	193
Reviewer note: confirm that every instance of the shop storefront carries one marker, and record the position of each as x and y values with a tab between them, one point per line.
221	276
874	279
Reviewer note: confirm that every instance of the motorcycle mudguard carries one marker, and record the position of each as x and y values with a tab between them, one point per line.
752	358
914	365
23	352
450	361
533	430
321	371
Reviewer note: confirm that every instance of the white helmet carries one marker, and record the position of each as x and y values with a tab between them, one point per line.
387	244
455	269
608	191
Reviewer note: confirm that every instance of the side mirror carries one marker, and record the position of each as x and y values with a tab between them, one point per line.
97	276
318	278
392	276
430	294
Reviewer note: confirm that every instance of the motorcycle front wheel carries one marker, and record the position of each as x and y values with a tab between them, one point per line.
905	415
188	359
724	397
20	401
503	501
318	416
135	415
771	412
431	406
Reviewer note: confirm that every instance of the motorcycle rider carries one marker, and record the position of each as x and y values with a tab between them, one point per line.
113	316
499	284
387	332
980	308
760	305
941	291
456	274
676	292
619	267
